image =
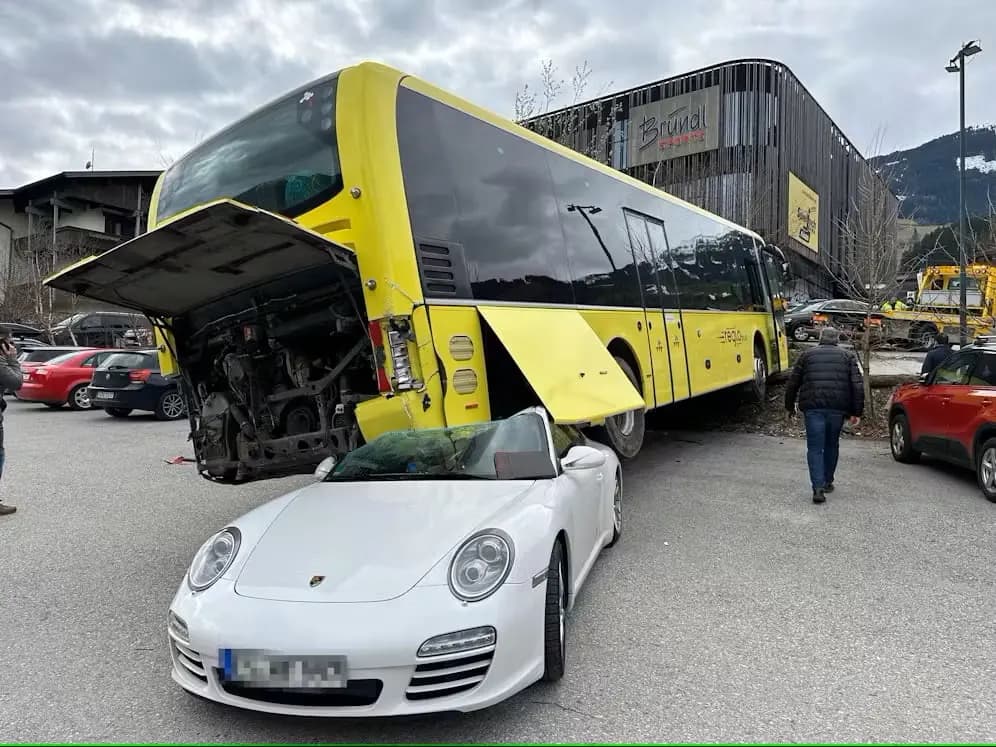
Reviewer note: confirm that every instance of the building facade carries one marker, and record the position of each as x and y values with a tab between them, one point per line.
54	221
745	140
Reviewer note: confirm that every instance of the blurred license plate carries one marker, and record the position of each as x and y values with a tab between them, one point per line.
105	395
262	669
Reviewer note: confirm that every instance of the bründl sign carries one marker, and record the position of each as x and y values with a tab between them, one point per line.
675	126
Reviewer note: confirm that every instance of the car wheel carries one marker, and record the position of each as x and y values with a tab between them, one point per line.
624	433
800	334
901	440
171	406
118	412
616	511
79	398
986	469
554	617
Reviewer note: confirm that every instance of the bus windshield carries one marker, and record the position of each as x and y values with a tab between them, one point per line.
283	158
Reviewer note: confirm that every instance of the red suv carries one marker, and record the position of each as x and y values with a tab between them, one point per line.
63	380
951	415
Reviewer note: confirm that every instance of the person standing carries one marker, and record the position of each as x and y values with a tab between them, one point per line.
10	381
828	384
937	354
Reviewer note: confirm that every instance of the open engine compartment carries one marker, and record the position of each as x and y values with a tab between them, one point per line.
273	374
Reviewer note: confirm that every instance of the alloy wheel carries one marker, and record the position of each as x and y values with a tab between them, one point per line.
898	439
81	398
173	406
988	469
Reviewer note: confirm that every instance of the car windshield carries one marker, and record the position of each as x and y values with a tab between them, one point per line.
131	360
513	449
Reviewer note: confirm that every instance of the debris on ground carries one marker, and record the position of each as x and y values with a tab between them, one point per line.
178	460
731	412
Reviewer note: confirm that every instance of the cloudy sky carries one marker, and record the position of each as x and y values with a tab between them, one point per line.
140	81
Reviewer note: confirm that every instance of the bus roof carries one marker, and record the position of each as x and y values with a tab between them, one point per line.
508	125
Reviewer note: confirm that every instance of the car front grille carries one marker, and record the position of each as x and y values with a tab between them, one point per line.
357	693
438	679
189	659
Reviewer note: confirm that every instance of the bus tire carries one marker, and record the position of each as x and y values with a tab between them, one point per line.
624	433
759	382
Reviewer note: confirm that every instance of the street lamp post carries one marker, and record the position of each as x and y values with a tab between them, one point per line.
957	65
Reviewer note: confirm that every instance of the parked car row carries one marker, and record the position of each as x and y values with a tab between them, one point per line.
119	381
803	322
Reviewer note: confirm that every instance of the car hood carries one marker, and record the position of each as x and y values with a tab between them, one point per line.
369	541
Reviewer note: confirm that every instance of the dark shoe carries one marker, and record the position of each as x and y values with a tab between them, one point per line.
818	496
828	488
5	509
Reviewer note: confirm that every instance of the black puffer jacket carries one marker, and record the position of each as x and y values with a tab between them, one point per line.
826	377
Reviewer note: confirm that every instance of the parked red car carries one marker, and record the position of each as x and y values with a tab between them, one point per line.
63	380
951	415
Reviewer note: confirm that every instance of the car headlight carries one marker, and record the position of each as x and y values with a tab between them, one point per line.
214	558
481	565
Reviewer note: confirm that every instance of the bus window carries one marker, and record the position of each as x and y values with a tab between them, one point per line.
590	206
283	158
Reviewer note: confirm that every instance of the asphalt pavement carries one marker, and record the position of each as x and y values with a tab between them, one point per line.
733	609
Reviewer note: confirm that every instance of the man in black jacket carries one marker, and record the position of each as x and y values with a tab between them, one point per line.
937	354
828	383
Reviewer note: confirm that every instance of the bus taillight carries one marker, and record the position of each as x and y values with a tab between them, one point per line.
401	364
377	338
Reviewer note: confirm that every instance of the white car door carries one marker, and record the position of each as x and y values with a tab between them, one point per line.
583	491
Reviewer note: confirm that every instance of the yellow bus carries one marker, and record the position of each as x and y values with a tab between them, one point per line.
371	253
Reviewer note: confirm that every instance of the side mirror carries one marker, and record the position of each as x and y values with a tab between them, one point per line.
325	467
582	457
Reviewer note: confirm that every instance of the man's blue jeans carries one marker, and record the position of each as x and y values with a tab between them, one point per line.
823	429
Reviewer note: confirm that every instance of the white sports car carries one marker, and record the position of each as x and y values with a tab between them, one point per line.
427	571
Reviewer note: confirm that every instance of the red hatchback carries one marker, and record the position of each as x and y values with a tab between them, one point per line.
951	415
63	380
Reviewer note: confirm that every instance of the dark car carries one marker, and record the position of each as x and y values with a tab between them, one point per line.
18	330
104	329
28	343
846	315
132	381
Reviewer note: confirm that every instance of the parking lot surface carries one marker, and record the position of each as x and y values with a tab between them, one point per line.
732	609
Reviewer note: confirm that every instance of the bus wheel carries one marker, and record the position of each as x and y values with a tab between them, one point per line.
759	383
624	433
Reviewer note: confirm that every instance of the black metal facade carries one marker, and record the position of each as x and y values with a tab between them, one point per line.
766	125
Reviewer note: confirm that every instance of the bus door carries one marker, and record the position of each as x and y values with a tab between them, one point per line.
770	269
646	238
670	305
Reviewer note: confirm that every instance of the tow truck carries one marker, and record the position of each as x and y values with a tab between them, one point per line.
936	304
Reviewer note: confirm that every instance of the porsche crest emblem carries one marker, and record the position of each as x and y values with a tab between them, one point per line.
315	580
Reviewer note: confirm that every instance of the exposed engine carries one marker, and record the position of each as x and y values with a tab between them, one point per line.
272	386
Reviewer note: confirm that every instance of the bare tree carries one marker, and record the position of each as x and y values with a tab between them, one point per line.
872	259
569	127
33	259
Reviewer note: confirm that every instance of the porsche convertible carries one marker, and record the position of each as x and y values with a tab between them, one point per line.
426	571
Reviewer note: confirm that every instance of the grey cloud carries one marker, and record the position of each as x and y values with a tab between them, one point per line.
72	75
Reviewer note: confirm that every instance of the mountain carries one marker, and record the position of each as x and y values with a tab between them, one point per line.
925	178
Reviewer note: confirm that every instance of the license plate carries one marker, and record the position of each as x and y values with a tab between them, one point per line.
262	669
105	395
